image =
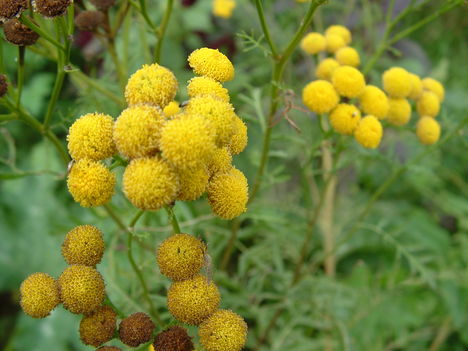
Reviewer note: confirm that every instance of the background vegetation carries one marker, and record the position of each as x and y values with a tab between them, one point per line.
401	280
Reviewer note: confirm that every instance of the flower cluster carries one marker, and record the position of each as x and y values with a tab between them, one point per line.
357	108
223	8
194	298
174	153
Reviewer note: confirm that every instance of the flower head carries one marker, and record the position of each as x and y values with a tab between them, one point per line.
193	183
39	295
173	339
374	102
51	8
326	68
211	63
334	42
221	162
397	82
223	8
98	327
200	86
136	329
320	96
171	109
83	245
369	132
345	118
313	43
19	34
103	5
428	104
12	8
399	113
428	130
416	87
435	86
348	56
239	139
89	20
348	81
341	31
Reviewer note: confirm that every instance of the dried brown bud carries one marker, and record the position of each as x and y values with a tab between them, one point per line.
19	34
103	5
3	85
173	339
99	327
89	20
51	8
136	329
12	8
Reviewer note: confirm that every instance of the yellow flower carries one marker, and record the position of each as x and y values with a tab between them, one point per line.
428	130
313	43
219	114
345	118
348	56
348	81
239	139
98	327
181	256
220	162
137	131
326	68
435	86
90	183
193	183
399	113
374	102
39	295
334	42
81	289
211	63
151	84
342	31
171	109
416	87
224	330
83	245
228	194
200	86
428	104
320	96
150	183
223	8
193	300
90	136
397	82
369	132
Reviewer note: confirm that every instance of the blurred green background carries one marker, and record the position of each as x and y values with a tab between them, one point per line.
402	278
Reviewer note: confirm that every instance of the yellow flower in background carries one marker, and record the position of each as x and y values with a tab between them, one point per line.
211	63
341	31
369	132
348	56
171	109
313	43
200	86
435	86
334	42
428	130
399	113
374	102
348	81
428	104
416	87
326	68
39	295
239	139
397	82
320	96
223	8
345	118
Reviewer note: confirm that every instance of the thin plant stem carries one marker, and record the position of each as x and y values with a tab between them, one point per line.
109	302
55	95
21	54
235	225
43	34
161	32
173	219
266	30
144	12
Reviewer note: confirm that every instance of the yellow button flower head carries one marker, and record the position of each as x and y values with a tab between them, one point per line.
150	183
435	86
90	183
428	104
348	56
342	31
399	113
334	43
228	194
221	161
83	245
81	289
326	68
151	84
428	130
211	63
193	183
416	87
200	86
137	131
374	102
39	295
193	300
98	327
313	43
239	139
348	81
181	256
345	118
171	109
223	330
187	142
219	114
369	132
397	82
320	96
223	8
90	136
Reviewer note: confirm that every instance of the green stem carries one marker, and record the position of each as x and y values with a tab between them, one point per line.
27	21
55	95
21	54
173	219
109	302
266	31
162	30
235	225
144	12
80	76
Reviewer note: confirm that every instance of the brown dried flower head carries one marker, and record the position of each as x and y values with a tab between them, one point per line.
99	327
136	329
12	8
173	339
19	34
103	5
89	20
51	8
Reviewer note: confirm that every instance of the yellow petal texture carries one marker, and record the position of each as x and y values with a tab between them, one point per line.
341	31
334	42
348	56
369	132
374	102
320	96
83	245
200	86
171	109
345	118
90	136
228	194
193	300
81	289
137	131
313	43
211	63
326	68
150	183
91	183
39	295
224	330
435	86
239	139
428	104
151	84
428	130
192	183
221	162
348	81
399	113
181	256
397	82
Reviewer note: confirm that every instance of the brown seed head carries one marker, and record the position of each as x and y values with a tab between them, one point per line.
51	8
136	329
3	85
173	339
12	8
89	20
103	5
19	34
99	327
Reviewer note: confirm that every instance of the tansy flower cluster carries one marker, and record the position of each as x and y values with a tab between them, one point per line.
356	108
174	153
223	8
194	298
